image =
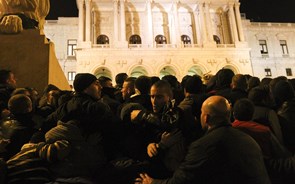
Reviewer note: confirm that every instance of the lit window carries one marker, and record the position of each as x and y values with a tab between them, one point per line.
267	72
263	47
71	76
160	39
185	39
102	39
135	39
289	72
72	45
283	44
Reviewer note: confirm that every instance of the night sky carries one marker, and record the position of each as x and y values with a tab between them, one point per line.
256	10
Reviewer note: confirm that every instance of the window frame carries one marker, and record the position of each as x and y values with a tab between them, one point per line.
267	72
71	47
263	47
71	75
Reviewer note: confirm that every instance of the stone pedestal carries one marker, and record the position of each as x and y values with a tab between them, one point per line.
32	59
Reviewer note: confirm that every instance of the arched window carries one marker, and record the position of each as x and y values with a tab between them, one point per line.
160	39
216	39
185	39
102	39
135	39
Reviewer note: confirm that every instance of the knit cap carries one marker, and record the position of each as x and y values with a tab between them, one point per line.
83	80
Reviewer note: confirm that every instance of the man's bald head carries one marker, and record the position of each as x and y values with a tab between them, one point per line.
215	110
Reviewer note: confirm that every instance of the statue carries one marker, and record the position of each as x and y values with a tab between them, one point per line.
16	15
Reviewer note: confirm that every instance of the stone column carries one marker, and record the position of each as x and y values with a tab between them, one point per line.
115	21
93	39
209	23
203	24
81	21
233	23
122	21
176	23
150	28
197	28
239	22
88	21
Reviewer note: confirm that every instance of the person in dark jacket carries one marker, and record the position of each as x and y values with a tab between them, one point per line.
224	154
93	115
166	119
20	127
7	85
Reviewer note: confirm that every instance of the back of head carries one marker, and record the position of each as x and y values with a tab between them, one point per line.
4	75
193	85
143	84
165	86
20	104
218	109
265	81
172	80
20	91
120	77
243	110
224	78
83	81
239	82
259	95
105	81
253	82
154	79
283	91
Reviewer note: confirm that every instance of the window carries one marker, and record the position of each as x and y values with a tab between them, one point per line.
135	39
102	39
71	76
216	39
263	47
267	72
72	45
185	39
283	44
160	39
289	72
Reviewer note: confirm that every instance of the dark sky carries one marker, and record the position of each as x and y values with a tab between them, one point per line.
256	10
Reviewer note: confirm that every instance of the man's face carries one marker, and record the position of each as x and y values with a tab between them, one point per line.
126	91
94	90
159	98
11	81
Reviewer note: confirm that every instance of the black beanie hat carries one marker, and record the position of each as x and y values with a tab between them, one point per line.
83	80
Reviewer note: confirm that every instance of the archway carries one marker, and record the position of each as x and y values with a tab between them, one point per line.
103	71
196	70
167	70
138	71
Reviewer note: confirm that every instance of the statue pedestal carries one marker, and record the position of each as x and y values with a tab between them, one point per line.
32	59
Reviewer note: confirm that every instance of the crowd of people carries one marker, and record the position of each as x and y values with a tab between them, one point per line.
227	128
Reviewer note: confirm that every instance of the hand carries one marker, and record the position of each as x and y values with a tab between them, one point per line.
144	179
11	24
134	114
152	149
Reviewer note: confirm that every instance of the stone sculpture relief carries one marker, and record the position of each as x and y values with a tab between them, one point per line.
16	15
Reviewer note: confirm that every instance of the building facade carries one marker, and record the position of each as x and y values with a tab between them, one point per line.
160	37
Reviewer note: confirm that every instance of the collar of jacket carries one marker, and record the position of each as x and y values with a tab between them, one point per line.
219	125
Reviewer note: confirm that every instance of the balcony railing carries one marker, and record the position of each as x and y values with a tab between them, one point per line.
225	45
101	46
